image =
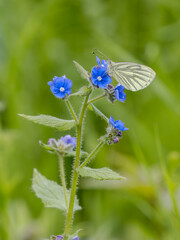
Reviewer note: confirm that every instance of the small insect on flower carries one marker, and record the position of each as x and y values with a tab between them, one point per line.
99	76
117	124
119	93
60	86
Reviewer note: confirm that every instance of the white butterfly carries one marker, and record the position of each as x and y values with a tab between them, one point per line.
132	76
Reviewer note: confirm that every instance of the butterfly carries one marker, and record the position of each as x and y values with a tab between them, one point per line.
132	76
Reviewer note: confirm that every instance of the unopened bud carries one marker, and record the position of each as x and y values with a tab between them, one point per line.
116	140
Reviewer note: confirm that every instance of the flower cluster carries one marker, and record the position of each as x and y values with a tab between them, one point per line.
115	130
101	79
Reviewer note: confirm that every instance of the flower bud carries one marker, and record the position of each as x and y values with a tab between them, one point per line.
116	140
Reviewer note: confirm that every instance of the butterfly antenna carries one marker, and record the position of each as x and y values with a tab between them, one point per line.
97	52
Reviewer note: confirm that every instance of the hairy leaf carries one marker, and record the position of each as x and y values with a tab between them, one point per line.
50	121
50	192
81	70
99	174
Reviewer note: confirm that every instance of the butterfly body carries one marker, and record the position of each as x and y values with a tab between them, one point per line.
132	76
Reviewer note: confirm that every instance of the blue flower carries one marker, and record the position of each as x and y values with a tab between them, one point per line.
68	140
117	124
100	77
60	86
119	93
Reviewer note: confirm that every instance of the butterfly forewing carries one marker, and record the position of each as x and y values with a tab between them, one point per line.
132	76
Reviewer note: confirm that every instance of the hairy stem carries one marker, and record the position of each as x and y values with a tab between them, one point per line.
91	155
71	109
96	98
62	177
75	173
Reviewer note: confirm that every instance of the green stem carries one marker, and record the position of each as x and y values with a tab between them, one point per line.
75	173
96	98
71	109
92	154
62	177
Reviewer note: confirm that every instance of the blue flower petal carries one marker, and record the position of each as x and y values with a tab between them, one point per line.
111	120
108	79
119	93
67	83
95	71
54	89
50	83
117	124
104	62
98	61
60	94
69	140
67	91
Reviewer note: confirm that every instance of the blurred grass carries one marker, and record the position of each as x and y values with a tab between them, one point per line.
40	39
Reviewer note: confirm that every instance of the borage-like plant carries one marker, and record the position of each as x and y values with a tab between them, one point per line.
58	196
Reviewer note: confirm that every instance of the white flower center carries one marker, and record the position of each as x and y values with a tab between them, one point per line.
99	78
62	89
102	65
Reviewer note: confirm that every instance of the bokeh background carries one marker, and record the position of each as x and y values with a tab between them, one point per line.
38	40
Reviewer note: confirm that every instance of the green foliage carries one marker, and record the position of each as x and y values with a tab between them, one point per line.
60	124
81	70
50	192
99	174
38	40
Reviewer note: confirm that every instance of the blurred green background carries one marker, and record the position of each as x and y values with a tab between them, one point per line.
38	40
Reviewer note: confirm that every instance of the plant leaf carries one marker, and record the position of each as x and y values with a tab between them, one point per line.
50	192
50	121
99	174
98	112
81	70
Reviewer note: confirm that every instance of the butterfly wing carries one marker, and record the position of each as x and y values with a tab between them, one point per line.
132	76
